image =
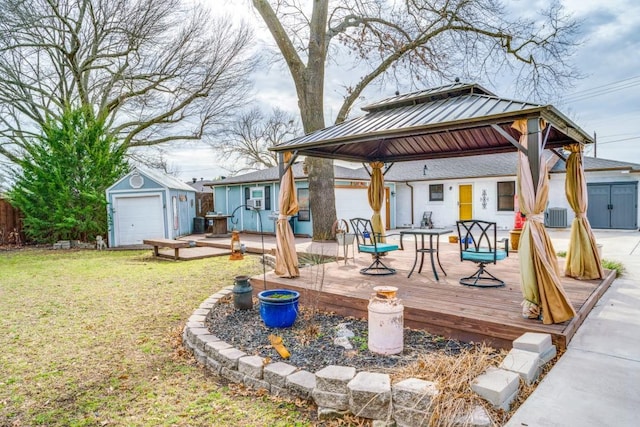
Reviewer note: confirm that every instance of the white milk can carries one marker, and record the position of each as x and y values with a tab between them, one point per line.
386	321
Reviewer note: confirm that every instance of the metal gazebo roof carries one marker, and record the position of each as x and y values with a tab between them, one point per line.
449	121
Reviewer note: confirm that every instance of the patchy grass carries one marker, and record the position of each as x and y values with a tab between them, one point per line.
607	264
93	338
616	266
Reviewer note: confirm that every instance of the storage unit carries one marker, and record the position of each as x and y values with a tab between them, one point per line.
613	205
147	204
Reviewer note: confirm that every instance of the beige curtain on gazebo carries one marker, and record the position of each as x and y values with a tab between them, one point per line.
376	197
583	259
539	272
286	255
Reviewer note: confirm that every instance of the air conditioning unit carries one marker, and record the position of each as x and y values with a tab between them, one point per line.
556	218
256	203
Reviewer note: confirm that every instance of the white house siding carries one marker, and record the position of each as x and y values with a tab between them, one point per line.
354	203
445	213
403	204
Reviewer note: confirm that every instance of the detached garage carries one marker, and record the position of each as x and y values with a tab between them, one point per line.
146	204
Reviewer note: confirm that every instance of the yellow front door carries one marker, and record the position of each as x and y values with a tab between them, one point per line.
465	204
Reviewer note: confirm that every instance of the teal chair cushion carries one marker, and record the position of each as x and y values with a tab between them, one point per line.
382	247
482	255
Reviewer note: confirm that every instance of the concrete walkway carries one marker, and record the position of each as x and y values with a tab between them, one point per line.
597	381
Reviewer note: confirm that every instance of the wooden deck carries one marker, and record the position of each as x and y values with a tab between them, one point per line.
442	307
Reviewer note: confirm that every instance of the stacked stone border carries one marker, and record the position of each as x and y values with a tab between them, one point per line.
338	390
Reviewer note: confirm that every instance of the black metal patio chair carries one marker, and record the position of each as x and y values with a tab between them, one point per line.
370	242
478	243
426	221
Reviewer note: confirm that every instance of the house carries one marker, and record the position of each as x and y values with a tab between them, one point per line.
147	204
484	187
233	194
481	187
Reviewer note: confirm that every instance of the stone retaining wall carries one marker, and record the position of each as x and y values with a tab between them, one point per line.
338	390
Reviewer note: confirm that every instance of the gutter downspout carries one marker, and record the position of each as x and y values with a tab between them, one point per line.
411	187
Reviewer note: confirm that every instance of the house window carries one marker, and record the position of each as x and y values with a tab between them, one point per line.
436	192
506	193
258	193
304	212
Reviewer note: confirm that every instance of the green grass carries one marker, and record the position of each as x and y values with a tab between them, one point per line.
607	264
613	265
93	338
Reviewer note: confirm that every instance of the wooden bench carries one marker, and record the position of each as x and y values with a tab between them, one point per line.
166	243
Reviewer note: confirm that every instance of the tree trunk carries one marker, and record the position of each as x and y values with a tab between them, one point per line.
322	198
322	195
321	178
309	82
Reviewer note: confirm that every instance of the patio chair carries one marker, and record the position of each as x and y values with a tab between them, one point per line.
369	242
478	243
426	220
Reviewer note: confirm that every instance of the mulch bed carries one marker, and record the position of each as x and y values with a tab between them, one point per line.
311	339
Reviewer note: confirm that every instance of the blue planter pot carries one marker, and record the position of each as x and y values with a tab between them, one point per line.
279	307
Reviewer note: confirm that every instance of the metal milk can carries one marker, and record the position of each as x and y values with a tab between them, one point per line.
386	321
242	293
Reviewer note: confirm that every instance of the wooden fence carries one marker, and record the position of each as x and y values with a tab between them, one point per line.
10	224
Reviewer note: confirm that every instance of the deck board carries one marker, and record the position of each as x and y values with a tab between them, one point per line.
443	307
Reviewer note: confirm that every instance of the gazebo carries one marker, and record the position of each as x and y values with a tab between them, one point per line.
464	120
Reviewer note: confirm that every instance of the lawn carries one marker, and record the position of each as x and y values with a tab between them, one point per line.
92	338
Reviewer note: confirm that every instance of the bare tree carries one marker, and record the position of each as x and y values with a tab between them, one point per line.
247	139
425	41
155	71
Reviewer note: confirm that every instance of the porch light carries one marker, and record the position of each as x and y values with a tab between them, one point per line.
236	247
424	170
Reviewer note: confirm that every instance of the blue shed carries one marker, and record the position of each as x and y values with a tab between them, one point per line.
147	204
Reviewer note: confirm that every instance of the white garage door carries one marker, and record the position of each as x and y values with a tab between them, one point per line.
353	203
138	218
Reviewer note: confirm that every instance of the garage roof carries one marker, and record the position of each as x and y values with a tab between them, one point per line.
456	120
160	178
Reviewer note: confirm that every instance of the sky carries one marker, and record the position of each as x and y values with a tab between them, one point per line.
606	102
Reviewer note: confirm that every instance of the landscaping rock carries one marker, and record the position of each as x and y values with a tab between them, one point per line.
251	366
330	413
276	373
334	379
213	349
337	401
370	395
527	364
301	383
498	386
414	393
229	357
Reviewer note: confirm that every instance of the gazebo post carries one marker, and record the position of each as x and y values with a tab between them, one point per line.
533	149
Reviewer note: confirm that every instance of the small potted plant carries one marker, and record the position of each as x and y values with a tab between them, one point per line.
279	307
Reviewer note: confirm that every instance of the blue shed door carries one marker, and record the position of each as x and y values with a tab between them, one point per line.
613	205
